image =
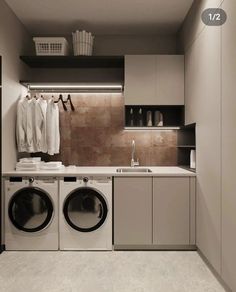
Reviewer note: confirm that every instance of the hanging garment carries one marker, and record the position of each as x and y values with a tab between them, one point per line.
30	128
52	128
21	124
37	126
40	140
25	125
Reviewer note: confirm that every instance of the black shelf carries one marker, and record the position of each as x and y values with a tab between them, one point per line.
186	146
187	168
186	141
74	61
173	116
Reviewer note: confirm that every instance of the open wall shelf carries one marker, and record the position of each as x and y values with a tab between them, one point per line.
185	143
74	61
173	117
186	146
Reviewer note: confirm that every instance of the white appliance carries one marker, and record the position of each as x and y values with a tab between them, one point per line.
85	220
31	213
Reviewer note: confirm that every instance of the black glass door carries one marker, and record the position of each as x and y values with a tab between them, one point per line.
30	209
85	209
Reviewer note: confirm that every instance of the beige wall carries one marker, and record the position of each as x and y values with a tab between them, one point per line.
193	26
121	45
132	44
13	41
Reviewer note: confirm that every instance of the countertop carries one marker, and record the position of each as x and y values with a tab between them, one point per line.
106	171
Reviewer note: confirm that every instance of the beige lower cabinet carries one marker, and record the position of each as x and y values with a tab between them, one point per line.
154	211
133	210
171	211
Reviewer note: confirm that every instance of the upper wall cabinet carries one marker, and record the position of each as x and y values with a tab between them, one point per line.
170	80
140	80
154	80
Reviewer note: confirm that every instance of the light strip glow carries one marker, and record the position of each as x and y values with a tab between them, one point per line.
75	86
151	128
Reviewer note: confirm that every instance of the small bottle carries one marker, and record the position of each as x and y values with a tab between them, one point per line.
131	117
149	119
193	159
161	123
158	119
140	118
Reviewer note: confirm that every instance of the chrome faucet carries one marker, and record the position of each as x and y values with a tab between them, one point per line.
133	162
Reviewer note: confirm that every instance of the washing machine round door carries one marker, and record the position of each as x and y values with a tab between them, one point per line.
85	209
30	209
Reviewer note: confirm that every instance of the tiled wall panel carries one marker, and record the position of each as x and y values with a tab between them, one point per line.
93	135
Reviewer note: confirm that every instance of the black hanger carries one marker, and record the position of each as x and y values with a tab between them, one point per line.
63	102
71	104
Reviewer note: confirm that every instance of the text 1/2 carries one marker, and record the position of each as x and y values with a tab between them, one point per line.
214	17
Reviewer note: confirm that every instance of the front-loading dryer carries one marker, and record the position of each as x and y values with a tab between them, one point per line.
85	220
31	213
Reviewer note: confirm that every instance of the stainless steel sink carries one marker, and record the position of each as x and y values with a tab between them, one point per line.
133	169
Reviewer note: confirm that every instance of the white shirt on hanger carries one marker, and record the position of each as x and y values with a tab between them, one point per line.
30	128
52	128
21	124
40	125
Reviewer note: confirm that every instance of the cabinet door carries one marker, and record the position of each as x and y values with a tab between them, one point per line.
170	80
171	211
132	210
203	107
154	80
228	146
140	79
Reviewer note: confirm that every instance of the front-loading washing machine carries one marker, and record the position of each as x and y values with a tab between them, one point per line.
85	220
31	213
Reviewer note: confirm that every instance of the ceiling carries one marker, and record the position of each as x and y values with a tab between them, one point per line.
101	17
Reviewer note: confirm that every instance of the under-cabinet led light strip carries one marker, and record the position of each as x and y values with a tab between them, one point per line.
74	87
151	128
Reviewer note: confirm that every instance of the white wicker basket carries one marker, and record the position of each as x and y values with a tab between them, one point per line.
51	46
83	48
82	43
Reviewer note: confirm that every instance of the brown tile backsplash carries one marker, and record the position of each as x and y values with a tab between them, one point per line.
93	135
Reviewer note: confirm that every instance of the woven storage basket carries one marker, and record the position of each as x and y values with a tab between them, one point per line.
82	43
50	46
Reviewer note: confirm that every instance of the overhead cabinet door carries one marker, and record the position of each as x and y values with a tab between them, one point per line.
154	80
170	80
171	211
140	79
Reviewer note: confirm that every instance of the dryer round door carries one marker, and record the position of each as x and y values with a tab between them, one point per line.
30	209
85	209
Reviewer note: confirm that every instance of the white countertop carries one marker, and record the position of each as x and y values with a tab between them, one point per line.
107	171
